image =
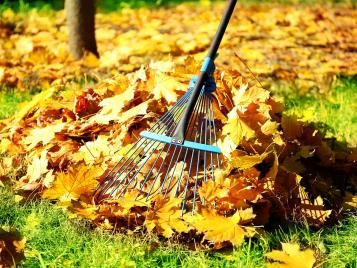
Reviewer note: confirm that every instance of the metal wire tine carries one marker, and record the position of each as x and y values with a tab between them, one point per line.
191	123
174	109
199	152
191	129
137	162
215	135
173	171
191	161
169	168
151	169
210	134
157	176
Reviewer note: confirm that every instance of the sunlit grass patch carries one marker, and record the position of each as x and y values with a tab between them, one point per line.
334	113
54	239
10	99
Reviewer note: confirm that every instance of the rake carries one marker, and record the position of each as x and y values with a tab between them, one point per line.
178	153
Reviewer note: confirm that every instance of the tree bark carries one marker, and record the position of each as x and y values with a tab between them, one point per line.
81	25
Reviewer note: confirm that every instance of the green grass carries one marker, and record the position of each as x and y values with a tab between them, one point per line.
10	99
334	113
55	240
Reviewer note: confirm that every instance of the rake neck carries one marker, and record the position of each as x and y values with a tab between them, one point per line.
206	71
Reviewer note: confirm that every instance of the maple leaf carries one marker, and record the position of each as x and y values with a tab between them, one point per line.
11	247
217	228
237	129
269	127
93	151
314	211
112	107
291	256
87	103
38	167
42	135
131	200
248	161
72	185
245	96
166	87
166	217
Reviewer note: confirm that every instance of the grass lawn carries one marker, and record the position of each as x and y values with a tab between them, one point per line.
54	239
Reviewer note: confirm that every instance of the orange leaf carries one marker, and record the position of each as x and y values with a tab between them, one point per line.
72	185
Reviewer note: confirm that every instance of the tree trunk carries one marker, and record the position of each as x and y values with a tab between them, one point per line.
81	24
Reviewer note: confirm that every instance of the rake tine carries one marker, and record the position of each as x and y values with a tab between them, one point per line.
191	161
134	176
198	156
215	135
153	128
163	184
156	177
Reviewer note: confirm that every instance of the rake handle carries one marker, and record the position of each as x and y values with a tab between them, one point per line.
181	128
221	29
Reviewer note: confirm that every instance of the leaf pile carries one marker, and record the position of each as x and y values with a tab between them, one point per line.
306	45
274	168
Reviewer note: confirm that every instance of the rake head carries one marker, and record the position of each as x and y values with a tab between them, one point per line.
157	165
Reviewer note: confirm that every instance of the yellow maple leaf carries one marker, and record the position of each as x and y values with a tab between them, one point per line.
130	200
248	161
236	129
93	151
291	257
112	107
245	96
269	127
70	186
19	245
217	228
42	135
166	86
166	217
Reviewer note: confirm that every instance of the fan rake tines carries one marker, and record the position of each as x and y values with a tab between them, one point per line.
153	168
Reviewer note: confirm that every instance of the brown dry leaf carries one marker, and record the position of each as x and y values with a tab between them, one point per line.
72	185
291	256
12	247
217	228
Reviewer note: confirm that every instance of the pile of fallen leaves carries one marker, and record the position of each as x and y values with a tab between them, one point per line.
274	168
305	45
